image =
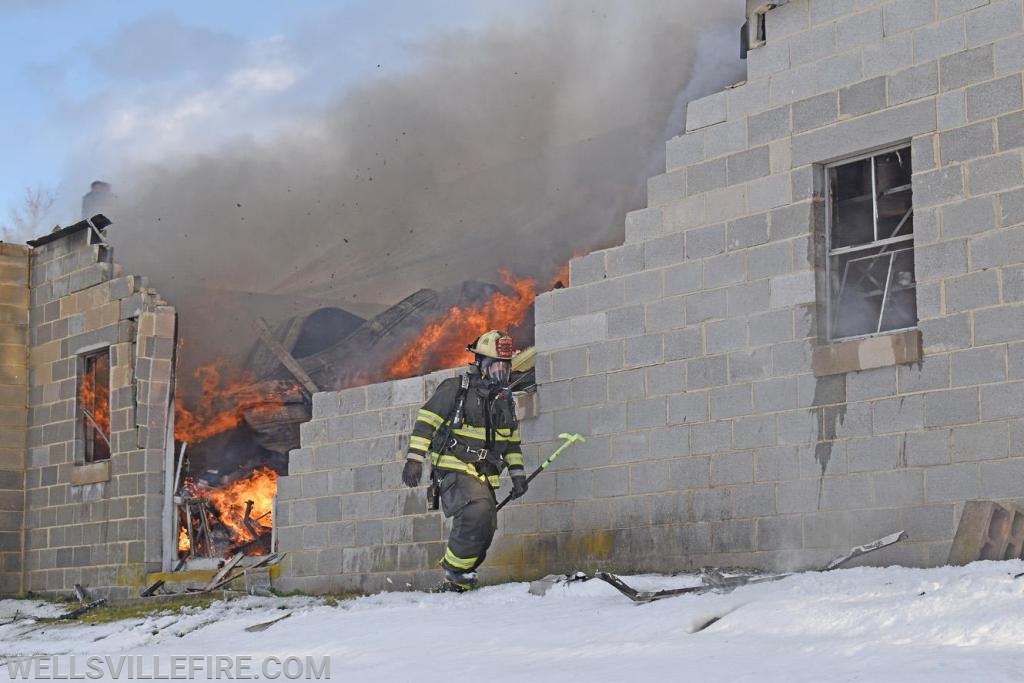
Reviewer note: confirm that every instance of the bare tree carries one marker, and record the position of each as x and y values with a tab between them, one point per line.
24	219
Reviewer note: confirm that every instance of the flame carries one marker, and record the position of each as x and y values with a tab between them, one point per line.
184	545
95	397
230	502
442	343
222	403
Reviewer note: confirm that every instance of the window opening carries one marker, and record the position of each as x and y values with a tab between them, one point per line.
94	405
870	236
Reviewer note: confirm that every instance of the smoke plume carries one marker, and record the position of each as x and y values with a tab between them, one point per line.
514	146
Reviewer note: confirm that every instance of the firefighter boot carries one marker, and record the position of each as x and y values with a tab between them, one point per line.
457	582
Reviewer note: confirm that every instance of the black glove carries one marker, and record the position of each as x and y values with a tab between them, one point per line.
519	486
412	473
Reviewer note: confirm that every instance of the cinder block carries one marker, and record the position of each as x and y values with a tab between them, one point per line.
975	290
988	531
747	165
644	224
702	373
724	270
646	413
937	40
968	217
747	299
585	269
994	98
684	150
726	138
706	111
1009	55
949	333
815	112
793	289
999	172
787	19
914	83
704	306
645	350
725	335
683	344
985	441
999	248
1011	131
757	431
730	202
706	176
948	8
768	193
753	501
688	408
731	468
684	278
903	15
965	68
968	142
769	125
848	492
956	406
942	260
838	71
666	188
812	45
771	58
872	454
863	98
665	251
887	55
624	260
899	488
999	19
747	99
605	295
858	30
903	414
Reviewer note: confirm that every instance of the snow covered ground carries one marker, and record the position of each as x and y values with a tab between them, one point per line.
863	624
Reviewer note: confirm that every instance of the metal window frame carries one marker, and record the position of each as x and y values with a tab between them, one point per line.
829	253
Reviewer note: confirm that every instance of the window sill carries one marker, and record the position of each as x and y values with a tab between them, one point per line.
863	354
93	473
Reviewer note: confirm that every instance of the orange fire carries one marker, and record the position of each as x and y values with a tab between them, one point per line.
230	503
184	544
95	397
442	343
221	404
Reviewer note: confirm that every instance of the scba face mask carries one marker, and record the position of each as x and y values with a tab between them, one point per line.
496	371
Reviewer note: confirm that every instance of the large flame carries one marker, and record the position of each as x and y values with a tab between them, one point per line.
229	503
222	403
442	343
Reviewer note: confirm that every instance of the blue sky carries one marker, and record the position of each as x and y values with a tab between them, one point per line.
92	85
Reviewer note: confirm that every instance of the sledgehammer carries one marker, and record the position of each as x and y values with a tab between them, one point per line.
569	440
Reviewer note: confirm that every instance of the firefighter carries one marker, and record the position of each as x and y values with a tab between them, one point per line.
483	441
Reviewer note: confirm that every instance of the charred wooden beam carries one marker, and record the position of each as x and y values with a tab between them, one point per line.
327	368
283	356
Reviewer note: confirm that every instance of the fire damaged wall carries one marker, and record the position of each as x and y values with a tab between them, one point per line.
100	370
727	425
14	298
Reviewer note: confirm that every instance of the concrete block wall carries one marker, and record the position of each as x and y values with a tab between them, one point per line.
697	335
343	515
14	297
97	524
687	354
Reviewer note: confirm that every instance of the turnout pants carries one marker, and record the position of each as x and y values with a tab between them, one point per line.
471	504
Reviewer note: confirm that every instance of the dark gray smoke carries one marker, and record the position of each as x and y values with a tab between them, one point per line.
514	147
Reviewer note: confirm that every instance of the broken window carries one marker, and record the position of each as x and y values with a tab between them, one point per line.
870	241
94	405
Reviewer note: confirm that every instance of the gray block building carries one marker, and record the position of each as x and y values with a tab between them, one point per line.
812	336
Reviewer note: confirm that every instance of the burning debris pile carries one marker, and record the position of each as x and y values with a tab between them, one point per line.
238	431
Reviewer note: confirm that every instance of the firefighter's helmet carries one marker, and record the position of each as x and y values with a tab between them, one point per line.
493	344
